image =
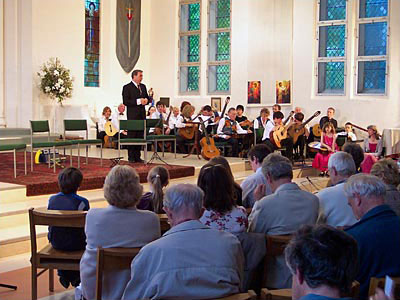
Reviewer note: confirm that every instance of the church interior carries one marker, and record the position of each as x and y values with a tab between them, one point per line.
97	87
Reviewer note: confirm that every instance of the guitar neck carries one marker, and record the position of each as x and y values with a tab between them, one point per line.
226	104
308	120
169	115
358	127
287	119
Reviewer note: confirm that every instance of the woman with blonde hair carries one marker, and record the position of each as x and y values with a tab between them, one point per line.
119	224
158	179
388	170
105	117
373	147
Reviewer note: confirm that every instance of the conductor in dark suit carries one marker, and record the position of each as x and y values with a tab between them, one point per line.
135	97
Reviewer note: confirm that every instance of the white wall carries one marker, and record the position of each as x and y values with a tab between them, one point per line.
271	40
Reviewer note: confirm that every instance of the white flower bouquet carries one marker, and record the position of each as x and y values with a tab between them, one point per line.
55	80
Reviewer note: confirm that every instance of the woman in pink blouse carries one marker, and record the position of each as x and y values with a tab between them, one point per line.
328	142
372	149
221	212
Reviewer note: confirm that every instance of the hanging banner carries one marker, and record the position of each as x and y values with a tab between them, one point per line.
128	33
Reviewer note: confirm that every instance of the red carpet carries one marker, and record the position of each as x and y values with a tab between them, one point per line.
43	181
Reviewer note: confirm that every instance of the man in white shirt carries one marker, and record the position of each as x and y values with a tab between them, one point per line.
227	127
160	114
173	119
118	115
334	208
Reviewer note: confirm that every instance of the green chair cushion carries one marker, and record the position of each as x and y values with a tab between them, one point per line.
12	147
40	126
94	141
125	141
71	125
160	137
51	144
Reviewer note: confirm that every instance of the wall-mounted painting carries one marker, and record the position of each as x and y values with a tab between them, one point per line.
254	92
282	88
216	104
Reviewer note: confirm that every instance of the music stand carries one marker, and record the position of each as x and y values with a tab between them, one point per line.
12	287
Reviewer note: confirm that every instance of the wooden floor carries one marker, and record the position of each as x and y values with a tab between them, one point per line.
14	229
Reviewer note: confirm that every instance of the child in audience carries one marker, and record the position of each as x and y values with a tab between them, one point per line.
221	211
328	146
68	239
158	179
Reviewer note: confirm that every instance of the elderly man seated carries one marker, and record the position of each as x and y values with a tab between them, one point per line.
282	212
323	261
377	232
191	260
334	209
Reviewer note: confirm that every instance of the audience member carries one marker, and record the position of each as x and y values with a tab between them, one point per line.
64	238
388	170
237	189
118	225
283	212
256	156
191	260
377	232
356	151
158	179
221	211
323	262
333	205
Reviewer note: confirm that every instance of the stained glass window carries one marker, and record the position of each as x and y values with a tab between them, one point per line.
92	43
219	46
371	60
331	59
189	47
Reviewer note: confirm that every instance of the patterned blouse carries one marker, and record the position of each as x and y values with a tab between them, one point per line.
234	221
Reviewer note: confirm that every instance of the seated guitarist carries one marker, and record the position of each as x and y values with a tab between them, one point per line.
160	114
301	141
287	143
227	128
183	121
208	117
105	117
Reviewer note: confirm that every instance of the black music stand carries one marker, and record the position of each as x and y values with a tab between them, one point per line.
12	287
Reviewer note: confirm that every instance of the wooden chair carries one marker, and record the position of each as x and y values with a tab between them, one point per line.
250	295
286	294
49	258
375	282
164	225
112	259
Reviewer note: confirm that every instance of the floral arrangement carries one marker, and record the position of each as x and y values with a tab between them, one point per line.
55	80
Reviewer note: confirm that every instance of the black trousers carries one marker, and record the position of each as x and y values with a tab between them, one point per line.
134	151
234	144
301	141
286	143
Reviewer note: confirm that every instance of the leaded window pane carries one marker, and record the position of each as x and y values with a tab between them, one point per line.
220	14
190	17
219	78
189	78
372	39
190	48
332	10
373	8
332	41
331	77
219	46
371	77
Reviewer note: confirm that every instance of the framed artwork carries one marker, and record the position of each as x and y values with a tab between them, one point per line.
282	88
165	101
216	103
254	92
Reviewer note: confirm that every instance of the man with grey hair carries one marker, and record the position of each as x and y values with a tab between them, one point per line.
334	209
377	232
282	212
191	260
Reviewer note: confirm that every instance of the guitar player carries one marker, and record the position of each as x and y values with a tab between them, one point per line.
301	141
286	143
227	128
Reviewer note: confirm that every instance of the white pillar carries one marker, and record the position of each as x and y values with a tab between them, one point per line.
2	100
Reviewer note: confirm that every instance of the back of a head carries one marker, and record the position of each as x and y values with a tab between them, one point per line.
277	167
221	160
218	188
343	163
187	111
388	170
365	186
122	187
182	197
325	256
277	115
259	152
69	180
356	152
158	178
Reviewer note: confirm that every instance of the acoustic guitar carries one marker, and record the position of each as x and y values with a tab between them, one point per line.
280	132
208	148
316	130
188	132
110	129
158	129
297	130
363	129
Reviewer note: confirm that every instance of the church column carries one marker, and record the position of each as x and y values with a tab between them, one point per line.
2	100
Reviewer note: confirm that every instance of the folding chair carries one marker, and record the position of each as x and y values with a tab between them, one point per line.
14	148
132	125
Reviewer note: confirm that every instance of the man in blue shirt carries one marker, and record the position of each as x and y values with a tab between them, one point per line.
323	261
377	232
62	238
